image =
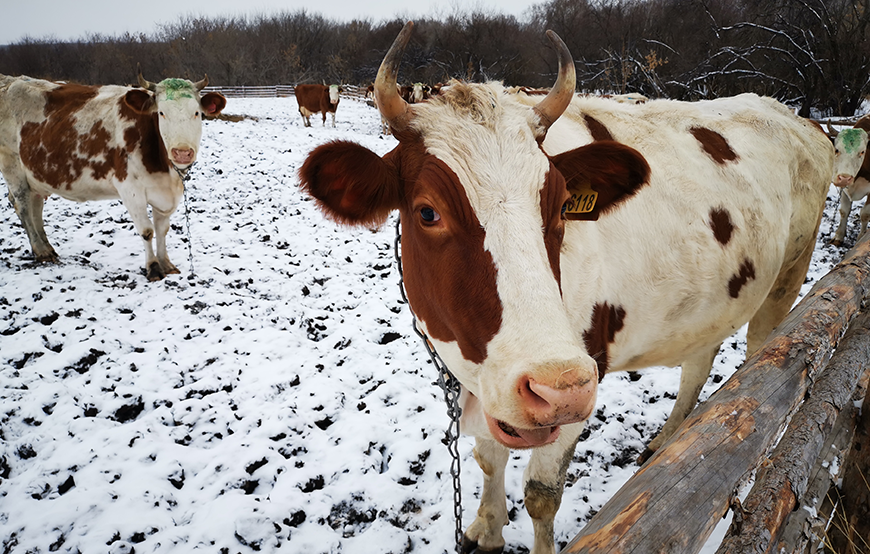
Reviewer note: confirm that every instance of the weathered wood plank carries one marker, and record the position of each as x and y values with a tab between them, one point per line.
782	479
673	503
850	528
805	528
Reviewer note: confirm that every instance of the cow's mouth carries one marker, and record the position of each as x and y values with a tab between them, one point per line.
515	437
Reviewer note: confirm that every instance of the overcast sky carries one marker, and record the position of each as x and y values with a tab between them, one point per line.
76	19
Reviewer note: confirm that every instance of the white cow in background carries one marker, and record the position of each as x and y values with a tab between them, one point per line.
852	175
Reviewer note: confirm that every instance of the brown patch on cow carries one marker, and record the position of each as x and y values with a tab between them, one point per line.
714	144
611	533
596	128
720	222
615	172
553	197
449	277
607	320
145	134
746	272
56	153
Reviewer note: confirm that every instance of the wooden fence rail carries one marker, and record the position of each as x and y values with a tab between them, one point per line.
673	503
279	91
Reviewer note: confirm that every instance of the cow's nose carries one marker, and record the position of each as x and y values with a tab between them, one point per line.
569	398
183	155
843	180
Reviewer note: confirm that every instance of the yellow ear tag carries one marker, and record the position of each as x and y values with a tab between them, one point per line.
582	203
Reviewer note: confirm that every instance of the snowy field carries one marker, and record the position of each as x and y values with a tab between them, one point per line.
273	394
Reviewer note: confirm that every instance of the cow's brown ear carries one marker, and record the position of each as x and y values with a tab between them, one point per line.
213	103
141	101
600	176
352	184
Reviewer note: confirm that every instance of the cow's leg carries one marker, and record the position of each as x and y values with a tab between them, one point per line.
484	533
845	208
161	228
693	374
779	300
333	118
544	482
137	207
28	206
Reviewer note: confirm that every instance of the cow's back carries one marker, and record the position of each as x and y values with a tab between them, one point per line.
22	99
718	209
311	97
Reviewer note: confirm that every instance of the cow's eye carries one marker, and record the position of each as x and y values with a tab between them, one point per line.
428	215
161	114
196	114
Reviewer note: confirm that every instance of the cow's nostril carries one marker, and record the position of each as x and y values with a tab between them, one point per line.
531	398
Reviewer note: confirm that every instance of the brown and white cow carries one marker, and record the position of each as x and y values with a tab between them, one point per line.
547	242
102	142
317	98
852	175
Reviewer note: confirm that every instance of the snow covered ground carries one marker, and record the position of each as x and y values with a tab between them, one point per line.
274	394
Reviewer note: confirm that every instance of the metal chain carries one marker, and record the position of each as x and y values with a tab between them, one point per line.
185	177
451	387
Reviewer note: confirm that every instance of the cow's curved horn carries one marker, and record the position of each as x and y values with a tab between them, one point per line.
554	104
393	107
143	83
201	84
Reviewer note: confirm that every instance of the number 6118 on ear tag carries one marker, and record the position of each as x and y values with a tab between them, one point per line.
581	206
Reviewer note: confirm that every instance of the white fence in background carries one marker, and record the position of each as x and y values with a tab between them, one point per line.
279	91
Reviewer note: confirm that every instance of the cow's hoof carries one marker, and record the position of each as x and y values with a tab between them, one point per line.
170	269
154	272
469	546
835	242
49	257
644	456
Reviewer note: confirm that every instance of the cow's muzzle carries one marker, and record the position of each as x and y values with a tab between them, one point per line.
183	156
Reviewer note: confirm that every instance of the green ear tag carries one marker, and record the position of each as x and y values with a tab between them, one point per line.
582	203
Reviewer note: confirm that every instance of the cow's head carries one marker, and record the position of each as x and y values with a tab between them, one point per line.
178	108
334	90
482	216
850	146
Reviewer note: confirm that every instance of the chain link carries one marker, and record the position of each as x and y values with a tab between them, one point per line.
451	387
185	177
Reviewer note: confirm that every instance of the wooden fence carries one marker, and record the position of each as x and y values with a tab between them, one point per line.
280	91
807	380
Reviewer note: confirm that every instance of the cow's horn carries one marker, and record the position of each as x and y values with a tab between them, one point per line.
201	84
143	83
554	104
393	107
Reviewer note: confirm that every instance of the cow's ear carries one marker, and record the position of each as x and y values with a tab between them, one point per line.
213	103
140	100
600	176
352	184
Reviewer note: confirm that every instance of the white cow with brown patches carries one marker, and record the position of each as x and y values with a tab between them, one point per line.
546	242
102	142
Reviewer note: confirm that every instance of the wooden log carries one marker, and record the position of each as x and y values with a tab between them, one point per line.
806	527
850	527
674	501
783	478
